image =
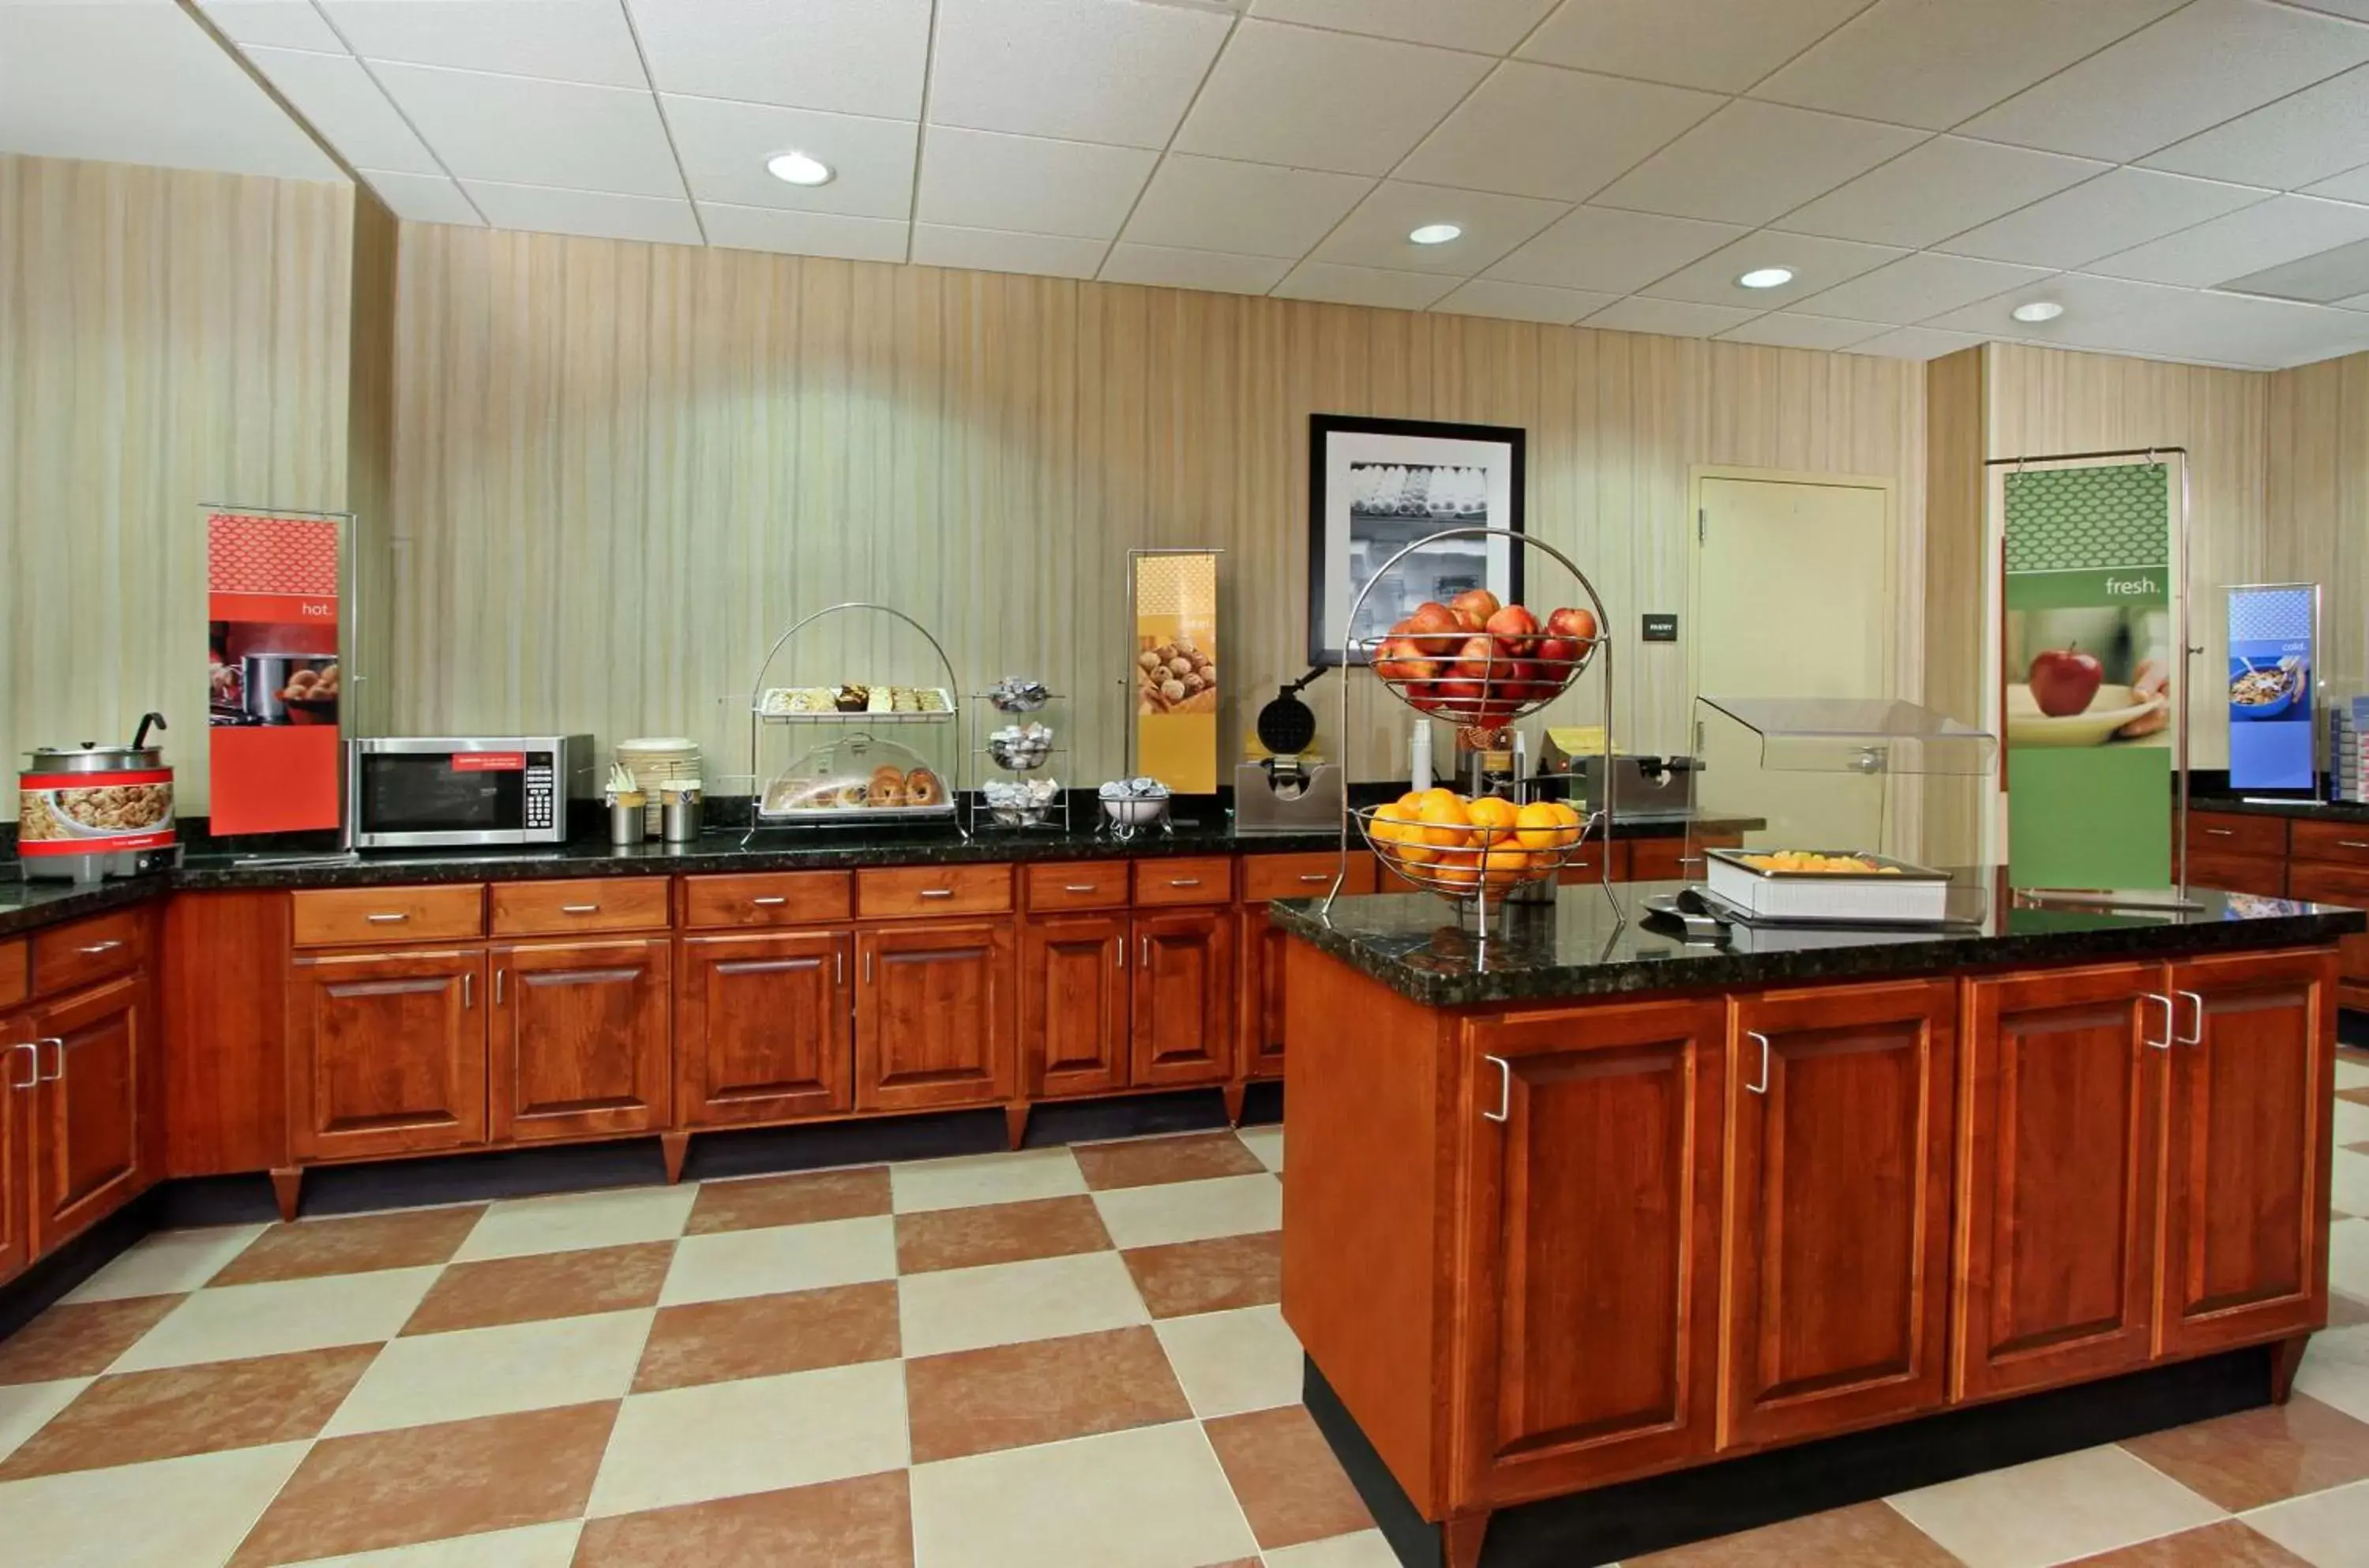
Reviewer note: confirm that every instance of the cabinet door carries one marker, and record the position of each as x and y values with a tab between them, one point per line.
2247	1149
1073	1005
386	1053
761	1028
1183	998
1841	1111
88	1140
935	1024
20	1069
1591	1247
579	1039
1260	1032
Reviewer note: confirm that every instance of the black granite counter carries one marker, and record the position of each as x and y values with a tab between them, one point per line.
1578	946
29	905
2301	810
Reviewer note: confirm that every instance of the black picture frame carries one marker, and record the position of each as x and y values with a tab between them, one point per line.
1363	441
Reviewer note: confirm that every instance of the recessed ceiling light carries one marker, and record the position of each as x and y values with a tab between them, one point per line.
1434	233
796	169
2038	310
1767	278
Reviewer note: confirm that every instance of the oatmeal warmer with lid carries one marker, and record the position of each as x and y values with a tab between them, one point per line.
88	811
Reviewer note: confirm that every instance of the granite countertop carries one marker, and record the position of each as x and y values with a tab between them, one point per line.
1579	946
2301	810
29	905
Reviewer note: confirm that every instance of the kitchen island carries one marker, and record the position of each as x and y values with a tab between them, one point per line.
1600	1207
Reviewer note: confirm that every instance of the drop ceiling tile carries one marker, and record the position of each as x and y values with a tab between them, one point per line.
985	179
2317	133
2227	329
343	104
601	214
1487	26
2197	67
1919	286
1283	94
1695	44
1542	131
1363	286
1816	265
524	132
1612	251
723	147
286	24
1930	192
2352	187
803	233
1244	208
1668	318
423	198
1752	162
1522	302
2112	213
562	40
849	56
2283	229
1172	267
2331	276
2088	304
1780	330
1917	343
2356	10
1087	70
1376	234
1933	62
986	250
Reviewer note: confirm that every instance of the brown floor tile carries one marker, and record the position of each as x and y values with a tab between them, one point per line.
1217	1276
1870	1535
193	1410
864	1523
757	1337
418	1483
1291	1486
2225	1545
546	1285
1147	1161
999	1232
2361	1148
2358	1097
311	1248
2259	1456
2344	1312
1015	1396
789	1200
79	1339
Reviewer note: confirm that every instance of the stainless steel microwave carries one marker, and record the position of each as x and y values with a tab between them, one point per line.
430	792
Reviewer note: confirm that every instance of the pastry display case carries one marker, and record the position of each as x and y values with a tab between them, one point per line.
860	775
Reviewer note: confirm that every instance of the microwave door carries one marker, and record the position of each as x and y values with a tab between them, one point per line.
420	798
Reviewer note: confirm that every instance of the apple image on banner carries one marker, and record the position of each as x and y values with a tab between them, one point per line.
2065	680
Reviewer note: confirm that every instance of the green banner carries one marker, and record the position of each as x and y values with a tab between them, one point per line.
2090	653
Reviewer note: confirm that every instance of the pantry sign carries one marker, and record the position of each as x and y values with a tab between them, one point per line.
274	674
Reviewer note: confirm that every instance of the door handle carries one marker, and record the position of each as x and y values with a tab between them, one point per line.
1119	950
97	947
2352	843
1761	1087
1316	876
1183	882
1504	1091
2164	1043
34	1050
1080	887
58	1049
468	990
385	920
579	909
497	986
2222	833
770	901
937	892
1143	957
867	965
838	967
2195	1035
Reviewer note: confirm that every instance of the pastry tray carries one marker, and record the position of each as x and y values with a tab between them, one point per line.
774	708
854	816
1907	894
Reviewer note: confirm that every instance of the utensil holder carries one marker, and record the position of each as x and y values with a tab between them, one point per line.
628	825
682	816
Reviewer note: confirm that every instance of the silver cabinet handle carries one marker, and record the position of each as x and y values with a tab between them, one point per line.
773	901
1504	1091
867	965
2352	843
99	947
1183	882
2195	1036
1316	876
1080	887
468	990
58	1049
2222	833
1761	1087
579	909
33	1049
385	920
1118	951
1145	957
497	986
839	965
937	892
2164	1043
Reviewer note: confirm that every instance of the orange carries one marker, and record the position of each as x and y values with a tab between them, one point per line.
1547	825
1457	869
1411	802
1492	819
1505	866
1396	834
1446	822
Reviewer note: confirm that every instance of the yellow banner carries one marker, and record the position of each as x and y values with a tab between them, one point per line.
1176	670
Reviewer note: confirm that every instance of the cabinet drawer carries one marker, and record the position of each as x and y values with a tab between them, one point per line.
2325	884
895	892
1078	884
88	950
336	917
2346	842
2238	832
1587	862
587	903
15	973
2264	875
1267	877
767	899
1193	879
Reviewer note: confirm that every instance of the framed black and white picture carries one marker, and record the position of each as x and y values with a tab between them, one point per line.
1377	486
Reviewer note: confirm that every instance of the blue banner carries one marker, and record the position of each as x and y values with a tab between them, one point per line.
2270	708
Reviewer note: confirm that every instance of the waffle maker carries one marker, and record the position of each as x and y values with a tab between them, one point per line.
1286	792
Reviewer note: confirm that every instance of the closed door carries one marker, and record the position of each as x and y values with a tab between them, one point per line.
2246	1139
386	1053
762	1028
1261	948
935	1024
1074	1004
580	1039
1591	1278
1838	1225
20	1071
88	1131
1183	998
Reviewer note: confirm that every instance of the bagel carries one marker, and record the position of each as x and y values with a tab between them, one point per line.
922	788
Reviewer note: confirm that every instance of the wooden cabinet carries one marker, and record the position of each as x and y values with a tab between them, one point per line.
1259	947
2057	1217
597	905
20	1073
90	1143
1590	1288
349	917
762	1028
936	1022
2331	882
1183	998
1840	1112
1074	1013
579	1045
386	1053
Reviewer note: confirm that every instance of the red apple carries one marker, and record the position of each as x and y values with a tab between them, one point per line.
1579	625
1457	698
1513	681
1556	656
1476	602
1477	658
2065	680
1515	629
1400	660
1433	629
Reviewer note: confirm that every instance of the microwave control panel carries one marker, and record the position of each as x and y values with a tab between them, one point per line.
541	775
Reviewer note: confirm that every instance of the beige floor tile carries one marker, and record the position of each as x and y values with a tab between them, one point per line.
580	1219
2352	1122
1150	1498
963	1309
1192	1211
171	1514
984	1178
26	1408
2347	1256
168	1262
2351	1184
1230	1362
2327	1529
757	1435
2054	1510
1366	1548
2351	1075
2335	1370
530	1546
782	1259
432	1378
1266	1142
240	1321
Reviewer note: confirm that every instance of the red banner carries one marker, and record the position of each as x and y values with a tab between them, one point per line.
275	677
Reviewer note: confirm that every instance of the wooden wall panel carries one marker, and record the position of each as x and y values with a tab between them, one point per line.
1956	566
